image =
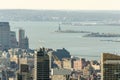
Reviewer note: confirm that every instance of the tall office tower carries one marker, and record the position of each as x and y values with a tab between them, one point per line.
26	43
23	41
4	35
41	65
13	40
21	38
110	66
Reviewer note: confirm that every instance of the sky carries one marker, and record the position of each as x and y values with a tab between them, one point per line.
61	4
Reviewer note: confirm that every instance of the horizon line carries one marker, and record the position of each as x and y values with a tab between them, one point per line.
63	9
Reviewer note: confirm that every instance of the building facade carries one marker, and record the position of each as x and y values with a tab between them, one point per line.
41	65
23	41
4	35
13	40
60	74
110	66
79	64
66	63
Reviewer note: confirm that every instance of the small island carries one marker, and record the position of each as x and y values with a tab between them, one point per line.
70	31
101	35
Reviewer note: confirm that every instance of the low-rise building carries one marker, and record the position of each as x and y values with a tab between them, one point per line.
66	63
60	74
79	64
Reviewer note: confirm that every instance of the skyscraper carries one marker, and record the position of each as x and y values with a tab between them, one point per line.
21	37
26	43
13	40
110	66
41	65
4	35
23	41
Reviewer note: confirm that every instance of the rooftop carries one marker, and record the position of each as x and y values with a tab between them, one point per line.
61	71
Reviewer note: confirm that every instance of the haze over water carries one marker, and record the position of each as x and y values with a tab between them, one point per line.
42	34
40	27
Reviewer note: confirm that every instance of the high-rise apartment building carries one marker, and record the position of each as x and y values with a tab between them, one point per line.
23	41
41	65
110	66
4	35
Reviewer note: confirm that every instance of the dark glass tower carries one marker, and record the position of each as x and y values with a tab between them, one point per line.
4	35
41	65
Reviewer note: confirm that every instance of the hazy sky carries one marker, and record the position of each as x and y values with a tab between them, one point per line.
61	4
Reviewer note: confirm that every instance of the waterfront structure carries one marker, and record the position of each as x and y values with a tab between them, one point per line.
4	35
41	65
110	66
23	41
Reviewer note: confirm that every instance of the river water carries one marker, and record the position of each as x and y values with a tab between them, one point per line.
42	34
